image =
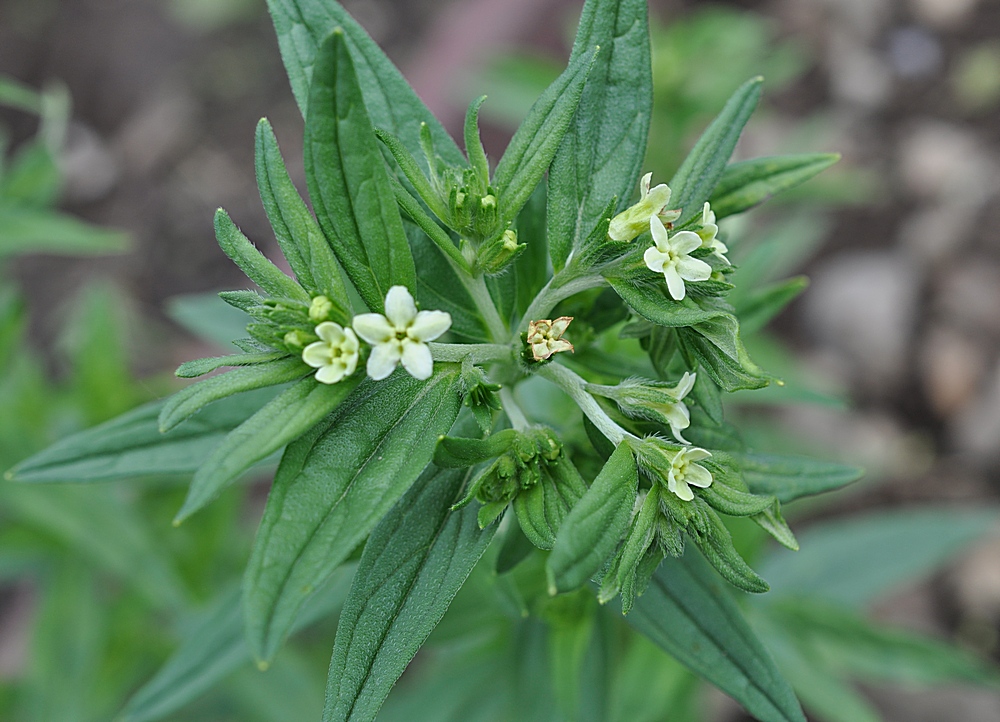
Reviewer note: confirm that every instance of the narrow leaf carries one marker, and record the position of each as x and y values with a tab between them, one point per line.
748	183
333	486
202	366
414	563
29	230
651	302
542	508
348	181
792	477
253	263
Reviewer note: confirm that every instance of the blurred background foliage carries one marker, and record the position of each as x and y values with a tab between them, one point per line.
104	607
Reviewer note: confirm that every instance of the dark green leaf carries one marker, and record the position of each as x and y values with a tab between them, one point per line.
695	180
332	487
253	263
413	565
688	612
791	477
202	366
761	305
715	344
542	508
750	182
456	452
348	181
652	303
601	155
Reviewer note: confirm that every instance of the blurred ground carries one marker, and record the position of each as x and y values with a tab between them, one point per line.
903	312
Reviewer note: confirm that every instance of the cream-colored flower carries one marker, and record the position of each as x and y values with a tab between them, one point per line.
320	308
401	335
708	232
685	473
545	337
335	355
634	220
669	256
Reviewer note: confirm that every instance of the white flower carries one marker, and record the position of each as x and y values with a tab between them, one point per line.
335	355
684	473
708	231
401	335
669	256
656	401
545	337
634	220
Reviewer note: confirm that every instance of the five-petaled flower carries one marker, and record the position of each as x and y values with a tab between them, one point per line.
545	337
335	355
634	220
685	473
708	232
669	256
401	335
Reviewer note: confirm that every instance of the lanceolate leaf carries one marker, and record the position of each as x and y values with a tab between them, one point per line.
280	422
651	302
414	563
302	242
792	477
332	487
541	509
348	180
537	139
253	263
302	25
601	154
746	184
27	230
687	611
698	175
132	444
716	345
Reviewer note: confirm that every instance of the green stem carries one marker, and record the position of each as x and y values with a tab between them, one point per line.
476	286
574	385
554	292
477	352
517	418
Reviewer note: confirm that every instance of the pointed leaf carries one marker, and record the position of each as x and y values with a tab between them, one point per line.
542	508
333	486
792	477
751	182
253	263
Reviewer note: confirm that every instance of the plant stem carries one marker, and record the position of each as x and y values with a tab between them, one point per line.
574	385
477	352
554	292
476	286
517	418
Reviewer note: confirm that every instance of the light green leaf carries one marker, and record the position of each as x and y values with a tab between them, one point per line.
855	560
602	153
591	532
333	486
279	422
208	317
29	230
688	612
542	508
252	262
763	304
792	477
650	301
133	446
414	563
748	183
302	242
202	366
715	344
695	180
537	139
348	181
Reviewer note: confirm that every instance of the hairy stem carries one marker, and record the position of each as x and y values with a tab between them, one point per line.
574	385
477	352
555	291
517	418
476	286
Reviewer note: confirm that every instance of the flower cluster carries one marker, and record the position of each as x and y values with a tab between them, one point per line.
399	336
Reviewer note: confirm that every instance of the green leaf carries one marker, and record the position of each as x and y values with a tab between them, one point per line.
602	153
591	532
689	614
715	344
792	477
695	180
537	139
133	446
302	26
761	305
650	301
214	646
252	262
29	230
282	420
208	317
33	180
202	366
414	563
302	242
456	452
16	95
515	288
348	181
188	401
854	561
542	508
333	486
748	183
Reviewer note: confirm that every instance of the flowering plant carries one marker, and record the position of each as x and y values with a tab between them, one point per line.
431	280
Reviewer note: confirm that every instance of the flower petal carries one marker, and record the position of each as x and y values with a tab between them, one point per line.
331	374
373	327
657	198
428	325
684	386
655	259
350	343
696	454
675	284
317	354
644	185
383	360
681	489
683	242
659	232
399	307
332	333
693	269
417	359
698	475
559	326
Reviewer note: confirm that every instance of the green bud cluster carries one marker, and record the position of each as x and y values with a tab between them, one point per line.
479	394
